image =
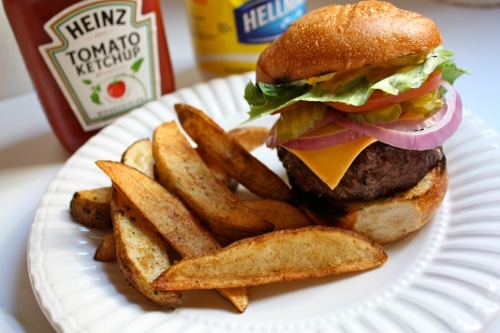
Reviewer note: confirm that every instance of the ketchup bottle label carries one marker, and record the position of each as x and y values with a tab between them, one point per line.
104	58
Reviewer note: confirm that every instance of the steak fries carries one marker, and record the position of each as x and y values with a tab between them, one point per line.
176	225
141	252
284	255
90	207
183	172
231	156
169	216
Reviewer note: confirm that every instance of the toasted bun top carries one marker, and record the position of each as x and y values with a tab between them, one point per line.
336	38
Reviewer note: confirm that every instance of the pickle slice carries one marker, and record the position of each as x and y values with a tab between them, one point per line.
299	120
384	115
425	105
420	107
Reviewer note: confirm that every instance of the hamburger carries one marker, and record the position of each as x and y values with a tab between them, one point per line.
363	100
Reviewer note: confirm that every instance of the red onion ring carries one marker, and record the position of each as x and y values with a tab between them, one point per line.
415	124
427	138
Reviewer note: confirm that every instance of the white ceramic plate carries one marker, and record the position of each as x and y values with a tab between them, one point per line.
445	278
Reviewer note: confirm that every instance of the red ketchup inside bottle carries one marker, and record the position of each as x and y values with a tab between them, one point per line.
102	58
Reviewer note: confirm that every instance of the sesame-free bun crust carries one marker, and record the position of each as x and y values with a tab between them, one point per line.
392	218
336	38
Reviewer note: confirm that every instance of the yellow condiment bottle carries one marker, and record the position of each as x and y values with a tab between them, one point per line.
229	35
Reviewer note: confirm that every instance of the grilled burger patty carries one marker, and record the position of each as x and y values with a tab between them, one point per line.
377	172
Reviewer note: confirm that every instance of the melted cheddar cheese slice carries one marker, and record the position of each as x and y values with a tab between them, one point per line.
330	164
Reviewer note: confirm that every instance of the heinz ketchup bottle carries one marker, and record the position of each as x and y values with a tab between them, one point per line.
91	61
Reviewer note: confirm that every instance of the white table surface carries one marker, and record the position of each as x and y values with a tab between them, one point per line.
30	155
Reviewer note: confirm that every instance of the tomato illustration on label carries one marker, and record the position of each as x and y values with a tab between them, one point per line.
116	87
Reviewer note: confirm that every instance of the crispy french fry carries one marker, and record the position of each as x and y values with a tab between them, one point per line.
172	220
91	208
282	255
279	213
238	162
181	170
106	250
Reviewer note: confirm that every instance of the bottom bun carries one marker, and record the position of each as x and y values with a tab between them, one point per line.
387	219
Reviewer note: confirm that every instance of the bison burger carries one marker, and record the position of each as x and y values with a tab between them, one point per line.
365	101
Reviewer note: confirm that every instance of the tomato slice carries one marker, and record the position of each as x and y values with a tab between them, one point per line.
380	99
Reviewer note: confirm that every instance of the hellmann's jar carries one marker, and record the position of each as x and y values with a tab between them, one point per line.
229	35
91	61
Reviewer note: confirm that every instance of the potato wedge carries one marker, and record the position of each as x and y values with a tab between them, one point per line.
91	208
282	255
141	254
180	227
106	250
218	171
279	213
236	160
181	170
172	220
139	155
249	137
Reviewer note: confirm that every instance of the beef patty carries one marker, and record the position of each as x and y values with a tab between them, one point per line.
377	171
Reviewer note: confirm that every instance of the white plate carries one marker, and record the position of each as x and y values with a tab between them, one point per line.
445	278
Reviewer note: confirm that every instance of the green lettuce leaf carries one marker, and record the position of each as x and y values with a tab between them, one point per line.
265	99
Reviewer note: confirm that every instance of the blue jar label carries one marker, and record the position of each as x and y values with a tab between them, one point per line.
262	21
